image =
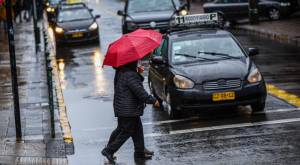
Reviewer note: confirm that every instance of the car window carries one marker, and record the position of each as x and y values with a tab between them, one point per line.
230	1
164	49
157	51
74	14
137	6
205	47
54	2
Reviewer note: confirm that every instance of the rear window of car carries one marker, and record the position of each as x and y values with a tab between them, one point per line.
54	2
137	6
74	15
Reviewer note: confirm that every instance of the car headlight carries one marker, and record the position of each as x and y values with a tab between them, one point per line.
50	10
183	12
254	76
183	82
59	30
94	26
285	4
131	25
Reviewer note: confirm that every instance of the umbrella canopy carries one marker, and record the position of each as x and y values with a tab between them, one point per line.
132	47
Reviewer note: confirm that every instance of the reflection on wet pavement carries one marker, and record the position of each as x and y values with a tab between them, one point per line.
88	92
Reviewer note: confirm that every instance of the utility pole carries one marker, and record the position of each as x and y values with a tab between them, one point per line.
14	76
35	26
253	12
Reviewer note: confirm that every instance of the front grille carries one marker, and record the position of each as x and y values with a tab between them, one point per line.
158	25
222	84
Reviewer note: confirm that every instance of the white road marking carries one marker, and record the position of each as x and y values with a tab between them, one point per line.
170	121
230	126
279	110
187	119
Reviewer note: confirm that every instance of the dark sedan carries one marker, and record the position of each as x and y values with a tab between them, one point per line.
205	68
51	8
150	14
237	9
76	24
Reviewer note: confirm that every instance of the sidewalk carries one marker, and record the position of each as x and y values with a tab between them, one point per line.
37	146
286	30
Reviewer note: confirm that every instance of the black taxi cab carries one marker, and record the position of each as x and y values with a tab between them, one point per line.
203	66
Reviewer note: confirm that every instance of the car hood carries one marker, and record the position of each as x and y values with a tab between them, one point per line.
150	16
225	69
76	25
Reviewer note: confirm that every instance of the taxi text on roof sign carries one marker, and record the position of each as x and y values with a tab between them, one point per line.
209	18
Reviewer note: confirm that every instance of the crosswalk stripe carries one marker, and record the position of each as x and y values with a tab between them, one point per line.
230	126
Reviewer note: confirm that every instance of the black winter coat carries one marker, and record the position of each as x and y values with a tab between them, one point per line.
130	97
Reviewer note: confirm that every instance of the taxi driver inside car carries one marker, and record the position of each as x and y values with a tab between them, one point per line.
200	66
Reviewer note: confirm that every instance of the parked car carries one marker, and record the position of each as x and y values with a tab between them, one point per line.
76	24
147	14
237	9
201	68
51	8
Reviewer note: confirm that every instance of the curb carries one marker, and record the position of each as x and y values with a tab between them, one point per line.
63	116
271	35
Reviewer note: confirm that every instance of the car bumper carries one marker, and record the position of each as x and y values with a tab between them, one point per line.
70	38
199	99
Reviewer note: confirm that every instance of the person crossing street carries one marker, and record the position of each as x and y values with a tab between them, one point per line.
130	97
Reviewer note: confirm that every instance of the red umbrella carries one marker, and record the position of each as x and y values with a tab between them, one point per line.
132	47
1	1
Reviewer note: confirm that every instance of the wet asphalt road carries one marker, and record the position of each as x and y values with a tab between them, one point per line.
228	136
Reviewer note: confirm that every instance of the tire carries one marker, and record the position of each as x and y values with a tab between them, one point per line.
258	107
222	19
172	112
124	30
274	14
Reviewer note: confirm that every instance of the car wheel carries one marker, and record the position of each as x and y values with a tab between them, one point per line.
153	92
172	112
274	14
258	107
221	18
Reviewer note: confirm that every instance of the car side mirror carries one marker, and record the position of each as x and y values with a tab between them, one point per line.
158	60
253	52
91	10
97	16
121	13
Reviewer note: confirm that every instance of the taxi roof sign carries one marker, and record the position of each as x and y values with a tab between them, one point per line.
73	1
197	19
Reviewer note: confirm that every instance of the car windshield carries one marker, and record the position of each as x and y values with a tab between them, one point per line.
137	6
74	15
205	48
54	2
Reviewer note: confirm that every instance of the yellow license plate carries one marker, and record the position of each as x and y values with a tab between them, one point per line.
223	96
76	35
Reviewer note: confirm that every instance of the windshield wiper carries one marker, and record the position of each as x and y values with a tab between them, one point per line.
196	57
220	54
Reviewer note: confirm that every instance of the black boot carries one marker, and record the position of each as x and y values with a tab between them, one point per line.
142	155
108	156
148	152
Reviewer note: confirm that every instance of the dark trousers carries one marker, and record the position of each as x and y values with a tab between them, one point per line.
127	127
